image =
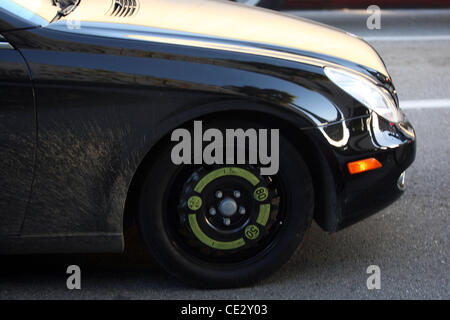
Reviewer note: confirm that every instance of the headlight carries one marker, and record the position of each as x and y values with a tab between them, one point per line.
367	92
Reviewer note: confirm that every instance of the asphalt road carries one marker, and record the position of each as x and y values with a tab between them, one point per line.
409	241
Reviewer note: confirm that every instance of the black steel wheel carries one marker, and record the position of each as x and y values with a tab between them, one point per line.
225	225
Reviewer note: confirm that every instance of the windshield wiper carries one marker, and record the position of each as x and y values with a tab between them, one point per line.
66	8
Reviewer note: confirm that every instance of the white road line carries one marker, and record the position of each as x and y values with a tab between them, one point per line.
409	38
425	104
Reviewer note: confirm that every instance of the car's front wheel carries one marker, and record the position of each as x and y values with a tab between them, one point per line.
225	225
272	4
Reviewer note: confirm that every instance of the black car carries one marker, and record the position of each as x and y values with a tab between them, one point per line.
97	95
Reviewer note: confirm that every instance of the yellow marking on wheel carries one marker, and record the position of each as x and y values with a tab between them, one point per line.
221	245
264	213
252	232
261	194
227	171
194	203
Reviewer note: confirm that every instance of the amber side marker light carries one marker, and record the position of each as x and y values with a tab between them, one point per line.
363	165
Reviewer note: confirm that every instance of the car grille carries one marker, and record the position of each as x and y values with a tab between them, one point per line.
123	8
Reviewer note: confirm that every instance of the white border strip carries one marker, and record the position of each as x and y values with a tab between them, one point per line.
425	104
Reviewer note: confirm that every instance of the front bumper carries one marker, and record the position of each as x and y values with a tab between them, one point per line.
369	192
360	195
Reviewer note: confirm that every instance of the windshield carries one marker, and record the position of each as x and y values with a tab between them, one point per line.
38	11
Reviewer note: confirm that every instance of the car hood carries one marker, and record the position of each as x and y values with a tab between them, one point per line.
228	20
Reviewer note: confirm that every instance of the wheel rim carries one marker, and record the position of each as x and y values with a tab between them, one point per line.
224	214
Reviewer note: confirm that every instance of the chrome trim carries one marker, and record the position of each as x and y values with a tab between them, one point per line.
249	2
150	34
401	183
227	46
4	44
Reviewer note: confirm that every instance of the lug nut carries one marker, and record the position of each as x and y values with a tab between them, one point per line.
237	194
219	194
226	221
242	210
212	211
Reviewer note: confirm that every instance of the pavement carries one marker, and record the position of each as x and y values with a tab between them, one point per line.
409	240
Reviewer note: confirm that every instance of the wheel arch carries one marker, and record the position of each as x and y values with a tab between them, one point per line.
298	133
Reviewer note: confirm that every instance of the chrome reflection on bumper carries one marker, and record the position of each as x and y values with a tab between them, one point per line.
401	183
